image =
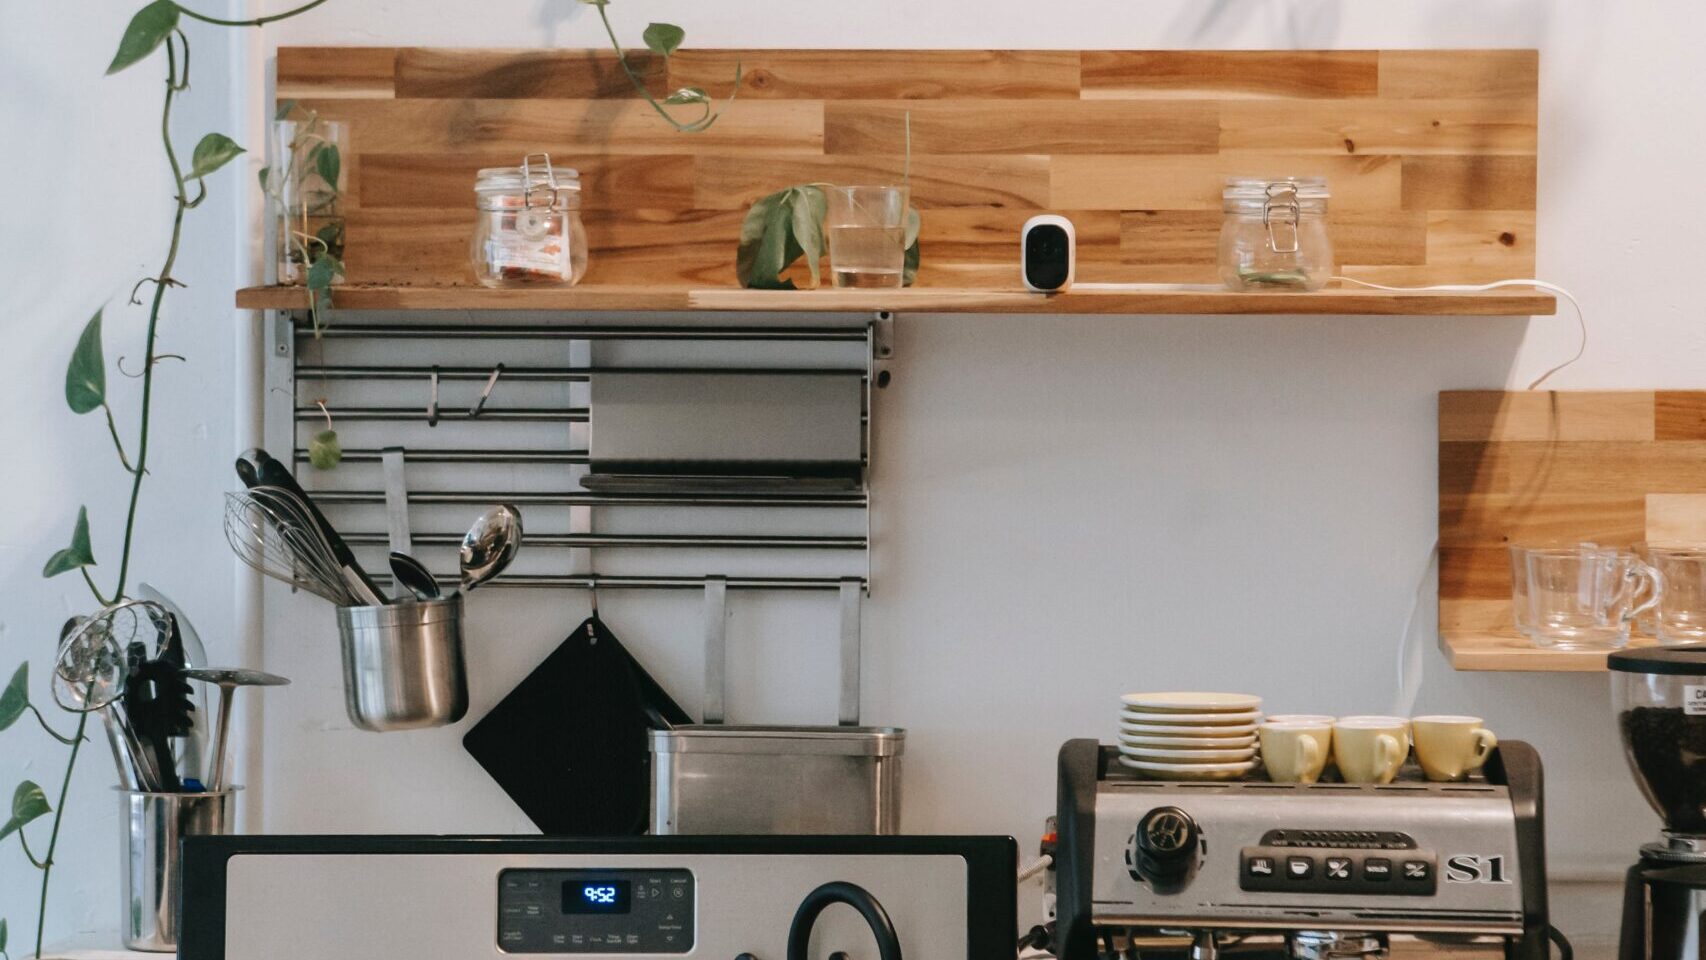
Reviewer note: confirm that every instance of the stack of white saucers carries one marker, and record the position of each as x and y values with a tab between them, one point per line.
1189	736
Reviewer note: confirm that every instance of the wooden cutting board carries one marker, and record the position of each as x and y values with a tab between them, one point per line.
1614	468
1430	155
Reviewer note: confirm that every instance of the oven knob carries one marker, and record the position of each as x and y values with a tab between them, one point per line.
1164	847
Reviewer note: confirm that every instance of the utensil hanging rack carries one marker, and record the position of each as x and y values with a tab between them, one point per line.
388	388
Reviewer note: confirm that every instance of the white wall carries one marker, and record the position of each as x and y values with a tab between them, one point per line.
88	210
1067	509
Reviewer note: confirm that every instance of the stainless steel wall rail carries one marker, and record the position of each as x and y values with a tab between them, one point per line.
419	386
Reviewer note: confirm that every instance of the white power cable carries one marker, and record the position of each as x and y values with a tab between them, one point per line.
1035	867
1581	318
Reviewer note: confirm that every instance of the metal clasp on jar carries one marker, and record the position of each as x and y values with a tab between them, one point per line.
1280	214
534	220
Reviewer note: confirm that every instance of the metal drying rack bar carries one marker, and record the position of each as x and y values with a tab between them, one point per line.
371	331
589	540
375	408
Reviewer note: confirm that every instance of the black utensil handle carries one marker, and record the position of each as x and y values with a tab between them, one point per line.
273	473
246	473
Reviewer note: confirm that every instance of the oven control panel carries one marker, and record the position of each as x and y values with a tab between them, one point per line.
596	911
1366	862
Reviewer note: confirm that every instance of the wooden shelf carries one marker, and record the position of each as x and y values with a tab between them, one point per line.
1510	301
1500	652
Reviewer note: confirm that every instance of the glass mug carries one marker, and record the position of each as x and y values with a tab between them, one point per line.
1584	598
1681	614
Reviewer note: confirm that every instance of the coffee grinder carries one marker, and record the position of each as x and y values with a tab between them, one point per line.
1659	697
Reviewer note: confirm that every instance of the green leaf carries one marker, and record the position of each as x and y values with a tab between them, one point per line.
752	229
2	934
264	174
86	377
214	151
28	803
285	109
79	554
663	38
148	29
324	451
16	699
909	272
327	163
810	206
320	273
688	95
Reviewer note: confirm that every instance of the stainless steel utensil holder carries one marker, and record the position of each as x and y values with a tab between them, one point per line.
155	825
403	664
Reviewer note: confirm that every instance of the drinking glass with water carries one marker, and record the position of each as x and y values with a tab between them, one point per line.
867	235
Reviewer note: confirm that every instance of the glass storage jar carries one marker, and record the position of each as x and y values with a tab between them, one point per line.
528	229
1273	235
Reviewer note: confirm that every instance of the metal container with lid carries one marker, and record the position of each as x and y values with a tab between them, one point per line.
529	229
1273	234
717	779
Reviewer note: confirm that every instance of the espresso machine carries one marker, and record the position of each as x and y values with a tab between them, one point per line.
1659	697
1324	871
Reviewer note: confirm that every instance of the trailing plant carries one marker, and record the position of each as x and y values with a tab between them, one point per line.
664	39
788	224
157	25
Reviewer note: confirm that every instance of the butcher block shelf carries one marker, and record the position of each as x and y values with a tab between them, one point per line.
1510	301
1430	156
1614	468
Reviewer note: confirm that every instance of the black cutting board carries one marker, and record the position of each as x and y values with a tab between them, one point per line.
570	743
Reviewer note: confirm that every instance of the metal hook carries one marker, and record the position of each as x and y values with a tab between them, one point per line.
432	402
592	592
486	394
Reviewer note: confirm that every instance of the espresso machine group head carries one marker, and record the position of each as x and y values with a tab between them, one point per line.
1315	872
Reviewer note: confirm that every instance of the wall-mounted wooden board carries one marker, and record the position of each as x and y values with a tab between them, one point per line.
1614	468
1430	155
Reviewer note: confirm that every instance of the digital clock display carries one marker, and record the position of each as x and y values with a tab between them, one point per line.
593	895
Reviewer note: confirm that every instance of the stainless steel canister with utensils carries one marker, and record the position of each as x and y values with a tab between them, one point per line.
156	823
717	779
403	665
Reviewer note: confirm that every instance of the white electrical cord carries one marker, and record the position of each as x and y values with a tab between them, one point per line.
1581	318
1036	867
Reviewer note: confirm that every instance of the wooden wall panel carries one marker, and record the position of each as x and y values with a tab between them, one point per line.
1614	468
1429	154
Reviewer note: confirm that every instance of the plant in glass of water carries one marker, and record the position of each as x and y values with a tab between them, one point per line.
788	225
304	187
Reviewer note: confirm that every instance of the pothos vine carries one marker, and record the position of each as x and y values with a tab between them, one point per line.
159	25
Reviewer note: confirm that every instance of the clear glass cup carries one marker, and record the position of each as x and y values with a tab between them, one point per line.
1521	615
1681	614
305	180
867	235
1582	598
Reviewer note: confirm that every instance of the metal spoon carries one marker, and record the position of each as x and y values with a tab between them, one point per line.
413	575
490	545
228	680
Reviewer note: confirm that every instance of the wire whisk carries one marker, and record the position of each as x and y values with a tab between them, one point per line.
271	531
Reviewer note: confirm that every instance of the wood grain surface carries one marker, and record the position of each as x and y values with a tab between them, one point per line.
1430	155
1613	468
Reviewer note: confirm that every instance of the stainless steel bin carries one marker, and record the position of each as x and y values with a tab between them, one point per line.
718	779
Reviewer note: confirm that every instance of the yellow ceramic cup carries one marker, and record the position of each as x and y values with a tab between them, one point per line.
1448	748
1370	749
1296	751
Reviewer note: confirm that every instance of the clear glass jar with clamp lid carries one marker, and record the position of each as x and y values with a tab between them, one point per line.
1273	235
528	229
